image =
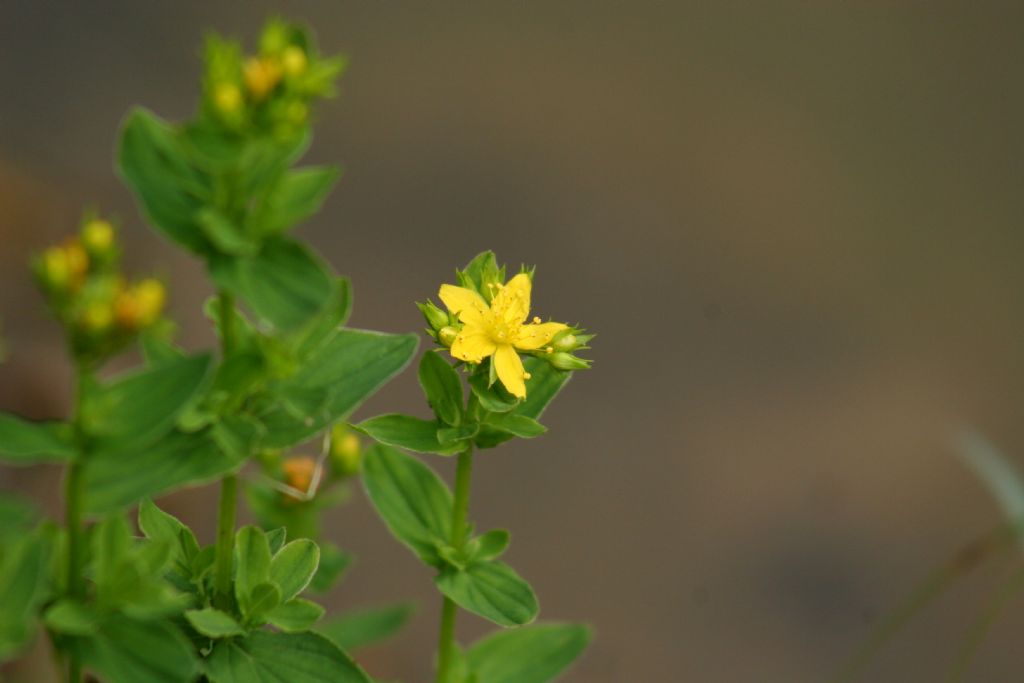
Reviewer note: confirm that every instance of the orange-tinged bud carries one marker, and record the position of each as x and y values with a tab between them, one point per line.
298	472
78	260
262	75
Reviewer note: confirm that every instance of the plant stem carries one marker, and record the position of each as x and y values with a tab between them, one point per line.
224	551
74	490
460	511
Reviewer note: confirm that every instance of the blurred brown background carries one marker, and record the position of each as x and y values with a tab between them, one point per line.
796	227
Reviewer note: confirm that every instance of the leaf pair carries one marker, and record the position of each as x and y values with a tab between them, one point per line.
416	506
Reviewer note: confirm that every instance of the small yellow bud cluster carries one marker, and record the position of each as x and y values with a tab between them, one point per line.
90	297
270	91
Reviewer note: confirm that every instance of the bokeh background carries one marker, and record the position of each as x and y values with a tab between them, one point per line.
796	227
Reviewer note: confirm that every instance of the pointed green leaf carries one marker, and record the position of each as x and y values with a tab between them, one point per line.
268	657
294	566
515	424
252	558
296	196
407	432
364	627
535	654
442	387
491	590
23	442
153	163
285	284
351	366
213	623
410	498
23	579
264	598
127	650
295	615
72	618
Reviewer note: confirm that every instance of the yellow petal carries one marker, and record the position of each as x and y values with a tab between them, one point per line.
510	370
533	337
465	303
472	344
512	303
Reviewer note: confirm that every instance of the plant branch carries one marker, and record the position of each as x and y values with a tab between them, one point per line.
460	512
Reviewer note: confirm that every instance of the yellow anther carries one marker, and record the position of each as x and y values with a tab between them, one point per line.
536	320
527	375
549	349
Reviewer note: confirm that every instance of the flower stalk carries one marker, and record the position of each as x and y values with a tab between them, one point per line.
460	512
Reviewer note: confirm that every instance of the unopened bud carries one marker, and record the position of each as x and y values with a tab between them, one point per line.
78	260
262	75
54	270
98	237
565	341
566	361
227	98
97	317
346	451
298	472
446	335
294	61
434	316
151	296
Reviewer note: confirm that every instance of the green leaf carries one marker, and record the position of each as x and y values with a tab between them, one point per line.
351	366
410	498
154	164
23	442
286	284
228	237
23	578
544	384
158	525
294	566
17	515
263	599
276	539
140	407
407	432
517	425
452	436
252	558
493	397
213	623
325	326
111	544
491	590
489	545
127	650
535	654
295	615
442	387
115	480
72	618
364	627
296	196
268	657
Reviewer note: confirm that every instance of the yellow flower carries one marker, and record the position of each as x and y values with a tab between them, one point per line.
498	330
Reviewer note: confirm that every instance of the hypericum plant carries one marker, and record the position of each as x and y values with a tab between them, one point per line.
157	606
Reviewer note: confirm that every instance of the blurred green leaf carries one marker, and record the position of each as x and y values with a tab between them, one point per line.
267	657
297	195
213	623
295	615
534	654
252	562
126	650
154	164
364	627
23	442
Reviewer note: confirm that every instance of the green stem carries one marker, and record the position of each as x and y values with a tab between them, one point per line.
74	492
460	511
225	549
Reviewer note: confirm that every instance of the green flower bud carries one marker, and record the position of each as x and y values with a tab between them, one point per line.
566	361
346	451
434	316
98	237
446	335
565	341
